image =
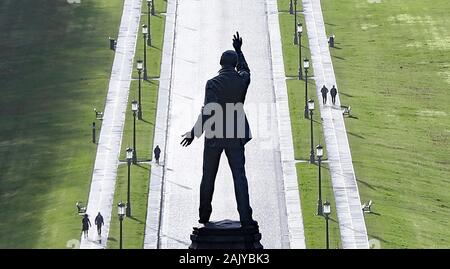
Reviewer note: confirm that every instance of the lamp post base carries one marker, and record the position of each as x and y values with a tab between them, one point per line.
295	39
139	114
128	212
306	112
134	157
311	158
319	208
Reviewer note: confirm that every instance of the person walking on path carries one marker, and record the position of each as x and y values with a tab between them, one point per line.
324	91
99	222
86	223
157	153
333	93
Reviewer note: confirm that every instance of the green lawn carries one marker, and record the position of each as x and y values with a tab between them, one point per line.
55	65
134	227
307	173
392	66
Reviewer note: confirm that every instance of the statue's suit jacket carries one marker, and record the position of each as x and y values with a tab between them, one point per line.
228	87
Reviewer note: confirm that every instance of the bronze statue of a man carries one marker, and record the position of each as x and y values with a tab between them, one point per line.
226	129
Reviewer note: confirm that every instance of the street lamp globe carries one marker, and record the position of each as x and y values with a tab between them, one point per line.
129	154
311	104
121	209
306	63
140	65
299	28
319	151
144	29
326	208
134	106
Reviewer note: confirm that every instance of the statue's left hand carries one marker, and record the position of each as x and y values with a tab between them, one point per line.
188	138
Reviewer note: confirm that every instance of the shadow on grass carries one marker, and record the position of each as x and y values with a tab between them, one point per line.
346	94
366	184
143	166
338	57
136	220
331	24
146	121
355	135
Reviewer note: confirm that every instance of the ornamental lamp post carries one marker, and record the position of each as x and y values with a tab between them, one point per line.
319	153
129	160
121	213
152	12
134	108
311	109
139	67
151	4
145	33
299	32
295	23
327	212
306	67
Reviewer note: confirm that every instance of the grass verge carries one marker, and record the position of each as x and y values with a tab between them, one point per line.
392	67
307	173
134	227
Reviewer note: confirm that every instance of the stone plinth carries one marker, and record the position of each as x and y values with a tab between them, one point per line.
225	234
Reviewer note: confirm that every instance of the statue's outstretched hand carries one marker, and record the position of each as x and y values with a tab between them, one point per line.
237	42
188	138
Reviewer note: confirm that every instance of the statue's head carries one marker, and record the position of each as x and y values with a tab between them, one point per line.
229	59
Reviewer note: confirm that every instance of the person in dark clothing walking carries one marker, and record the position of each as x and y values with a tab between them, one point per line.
224	99
157	153
99	222
333	93
86	223
324	91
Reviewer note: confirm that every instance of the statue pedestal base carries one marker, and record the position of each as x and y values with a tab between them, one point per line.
225	234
